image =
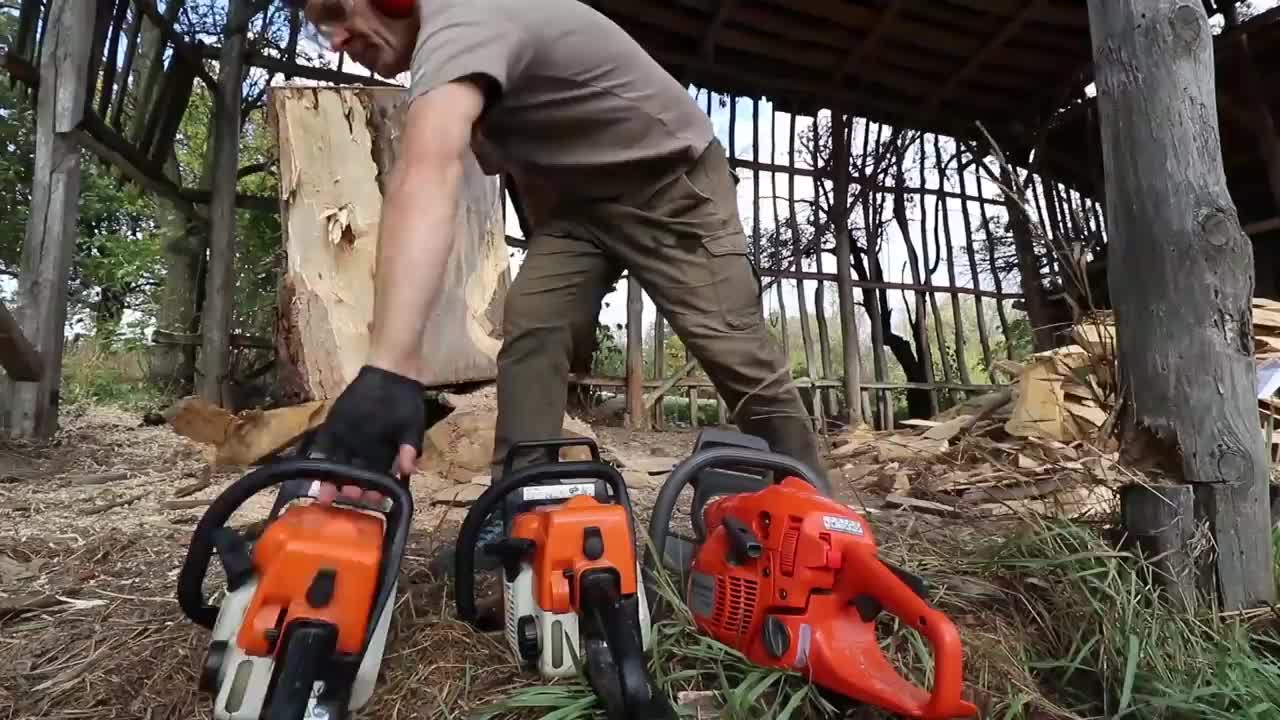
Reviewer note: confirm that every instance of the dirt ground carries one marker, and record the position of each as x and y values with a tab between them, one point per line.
94	527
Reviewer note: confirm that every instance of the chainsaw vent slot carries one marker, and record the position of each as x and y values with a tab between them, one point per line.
790	541
736	604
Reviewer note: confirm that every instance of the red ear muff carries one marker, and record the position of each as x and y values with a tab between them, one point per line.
394	8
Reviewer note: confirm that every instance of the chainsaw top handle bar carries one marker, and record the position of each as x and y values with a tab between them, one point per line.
464	578
687	472
552	447
191	578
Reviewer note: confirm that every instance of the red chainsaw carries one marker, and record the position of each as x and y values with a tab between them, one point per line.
791	578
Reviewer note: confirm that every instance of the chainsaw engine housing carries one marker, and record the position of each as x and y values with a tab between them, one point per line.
573	599
792	579
541	590
303	626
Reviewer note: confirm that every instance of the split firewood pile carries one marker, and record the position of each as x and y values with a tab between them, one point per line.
1042	445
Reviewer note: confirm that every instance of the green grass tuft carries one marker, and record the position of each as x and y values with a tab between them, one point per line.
1110	649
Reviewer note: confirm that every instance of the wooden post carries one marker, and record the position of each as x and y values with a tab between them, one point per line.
637	417
1160	524
1258	111
1181	276
659	367
1033	292
962	366
802	304
844	277
41	310
970	252
220	280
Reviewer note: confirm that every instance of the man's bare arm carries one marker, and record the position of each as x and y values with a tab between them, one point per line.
416	235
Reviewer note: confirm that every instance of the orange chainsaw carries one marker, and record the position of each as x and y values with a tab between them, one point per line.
573	598
302	629
791	578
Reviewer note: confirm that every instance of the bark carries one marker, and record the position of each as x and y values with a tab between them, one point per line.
1181	276
1033	291
41	311
215	324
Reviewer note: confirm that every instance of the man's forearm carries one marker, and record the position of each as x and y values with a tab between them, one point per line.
416	238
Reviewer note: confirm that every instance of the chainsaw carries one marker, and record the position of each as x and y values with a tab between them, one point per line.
304	624
572	596
782	573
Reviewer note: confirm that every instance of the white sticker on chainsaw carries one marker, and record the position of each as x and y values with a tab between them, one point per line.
839	524
558	492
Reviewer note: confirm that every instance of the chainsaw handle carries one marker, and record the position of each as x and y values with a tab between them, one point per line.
464	579
902	601
557	444
687	471
191	578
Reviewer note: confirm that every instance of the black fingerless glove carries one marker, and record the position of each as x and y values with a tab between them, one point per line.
375	414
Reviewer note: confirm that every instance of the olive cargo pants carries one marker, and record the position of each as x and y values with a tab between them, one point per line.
685	244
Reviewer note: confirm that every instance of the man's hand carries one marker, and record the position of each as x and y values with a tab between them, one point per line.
380	416
377	424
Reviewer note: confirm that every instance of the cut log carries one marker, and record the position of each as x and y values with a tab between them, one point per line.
249	437
1181	275
336	148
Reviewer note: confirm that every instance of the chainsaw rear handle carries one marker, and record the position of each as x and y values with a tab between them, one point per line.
508	463
897	596
191	578
687	471
464	580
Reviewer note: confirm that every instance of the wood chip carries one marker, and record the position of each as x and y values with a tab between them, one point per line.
949	429
926	506
128	500
458	495
19	604
98	478
185	504
1015	492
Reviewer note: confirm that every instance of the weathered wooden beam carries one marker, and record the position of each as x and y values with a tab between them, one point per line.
853	383
1159	522
976	61
51	227
215	323
637	416
864	51
108	144
667	385
1181	272
824	172
166	337
879	285
1262	226
707	50
17	356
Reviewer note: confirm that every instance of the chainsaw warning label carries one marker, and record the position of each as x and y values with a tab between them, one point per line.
848	526
558	492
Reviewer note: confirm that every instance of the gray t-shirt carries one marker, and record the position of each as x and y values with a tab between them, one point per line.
574	100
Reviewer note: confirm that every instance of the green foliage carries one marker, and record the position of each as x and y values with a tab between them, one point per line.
1115	652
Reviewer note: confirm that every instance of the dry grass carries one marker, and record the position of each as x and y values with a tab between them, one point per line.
91	628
